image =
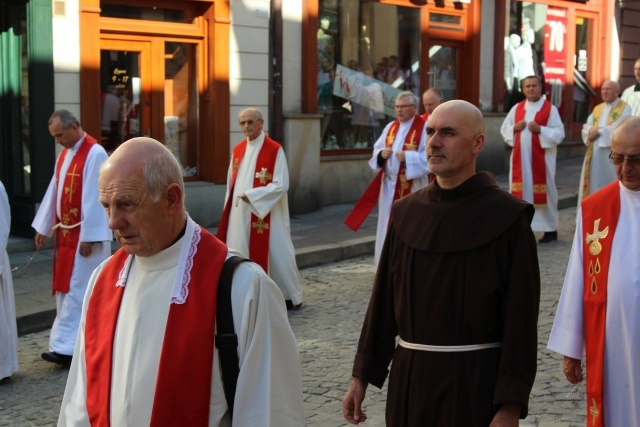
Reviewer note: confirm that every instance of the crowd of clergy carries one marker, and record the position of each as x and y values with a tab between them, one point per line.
471	249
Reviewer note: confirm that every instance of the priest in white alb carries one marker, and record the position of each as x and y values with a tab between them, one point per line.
255	219
82	239
599	308
400	163
597	170
631	95
534	129
146	352
8	330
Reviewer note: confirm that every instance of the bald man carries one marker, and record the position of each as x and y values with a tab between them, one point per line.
431	98
458	282
146	352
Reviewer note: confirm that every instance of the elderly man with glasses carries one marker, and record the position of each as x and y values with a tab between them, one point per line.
401	164
600	300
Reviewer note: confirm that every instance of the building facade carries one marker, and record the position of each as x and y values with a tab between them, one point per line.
324	72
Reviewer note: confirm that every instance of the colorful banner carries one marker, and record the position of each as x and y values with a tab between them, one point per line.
359	88
555	40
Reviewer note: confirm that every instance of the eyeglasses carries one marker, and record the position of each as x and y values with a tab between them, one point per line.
400	107
618	160
248	122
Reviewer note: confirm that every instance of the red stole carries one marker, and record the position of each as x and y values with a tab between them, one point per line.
425	117
602	209
66	239
259	228
538	167
368	200
183	389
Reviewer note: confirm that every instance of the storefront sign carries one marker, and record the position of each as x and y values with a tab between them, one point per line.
555	38
361	89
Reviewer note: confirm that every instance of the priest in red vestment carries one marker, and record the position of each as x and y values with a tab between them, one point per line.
82	239
255	219
599	310
147	352
458	283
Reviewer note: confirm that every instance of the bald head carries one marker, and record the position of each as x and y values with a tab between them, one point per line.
625	152
431	98
609	91
455	133
142	191
153	160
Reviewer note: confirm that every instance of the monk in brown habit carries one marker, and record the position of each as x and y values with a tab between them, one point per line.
458	282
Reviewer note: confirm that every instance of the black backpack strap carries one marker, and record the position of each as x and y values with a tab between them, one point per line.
226	339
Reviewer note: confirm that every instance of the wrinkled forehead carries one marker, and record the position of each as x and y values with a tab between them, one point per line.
248	115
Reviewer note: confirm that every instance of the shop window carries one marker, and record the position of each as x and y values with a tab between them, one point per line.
583	93
181	104
535	44
367	54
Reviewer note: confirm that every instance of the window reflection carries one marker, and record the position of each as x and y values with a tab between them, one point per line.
181	104
367	54
120	96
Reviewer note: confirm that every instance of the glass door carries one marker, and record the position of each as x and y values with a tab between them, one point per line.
125	91
584	95
443	68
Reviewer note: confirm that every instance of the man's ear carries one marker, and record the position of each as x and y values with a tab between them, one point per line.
174	198
478	143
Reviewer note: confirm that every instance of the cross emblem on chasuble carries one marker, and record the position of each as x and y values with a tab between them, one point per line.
236	164
593	410
263	176
595	247
390	138
260	225
72	185
411	146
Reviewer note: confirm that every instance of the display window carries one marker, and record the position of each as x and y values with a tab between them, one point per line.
542	40
367	53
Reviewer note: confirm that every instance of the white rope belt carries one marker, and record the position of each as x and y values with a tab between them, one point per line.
448	348
66	227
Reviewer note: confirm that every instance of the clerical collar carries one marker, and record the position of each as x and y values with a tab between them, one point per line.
184	229
637	88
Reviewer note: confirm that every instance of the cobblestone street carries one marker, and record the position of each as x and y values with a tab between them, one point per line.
327	329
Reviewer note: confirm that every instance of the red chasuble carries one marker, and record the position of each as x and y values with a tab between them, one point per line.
183	389
66	239
365	205
538	166
259	228
600	213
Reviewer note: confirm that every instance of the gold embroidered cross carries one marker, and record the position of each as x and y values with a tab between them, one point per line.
404	185
263	176
593	410
72	186
390	138
236	164
411	146
260	225
595	247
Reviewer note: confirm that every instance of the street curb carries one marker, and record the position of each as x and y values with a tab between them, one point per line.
568	201
35	322
324	254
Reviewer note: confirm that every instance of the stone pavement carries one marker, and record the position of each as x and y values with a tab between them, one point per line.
327	329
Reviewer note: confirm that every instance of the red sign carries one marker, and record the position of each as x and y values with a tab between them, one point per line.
555	40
